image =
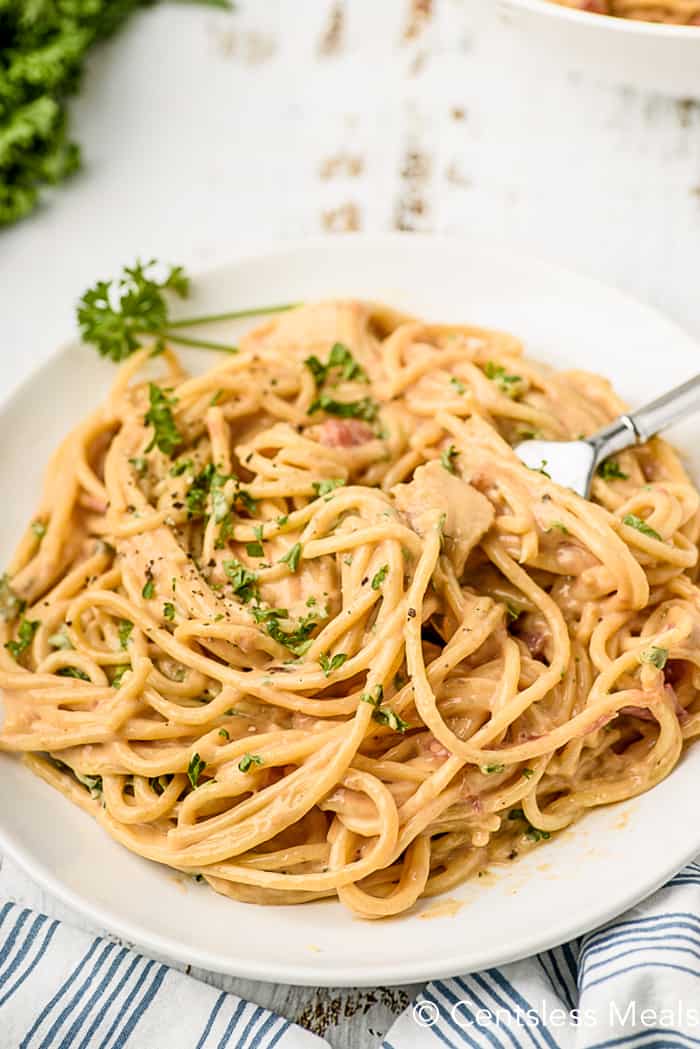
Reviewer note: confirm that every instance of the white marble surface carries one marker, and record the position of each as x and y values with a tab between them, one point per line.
206	133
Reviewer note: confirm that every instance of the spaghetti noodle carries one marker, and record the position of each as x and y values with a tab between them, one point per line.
304	625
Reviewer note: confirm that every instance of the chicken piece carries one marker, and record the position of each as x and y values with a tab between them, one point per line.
468	513
344	433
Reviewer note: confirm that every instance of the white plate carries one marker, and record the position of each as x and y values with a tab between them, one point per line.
648	55
586	875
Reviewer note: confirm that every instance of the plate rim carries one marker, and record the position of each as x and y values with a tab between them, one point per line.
316	974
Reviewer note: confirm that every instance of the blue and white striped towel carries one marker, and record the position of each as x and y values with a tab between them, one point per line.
634	983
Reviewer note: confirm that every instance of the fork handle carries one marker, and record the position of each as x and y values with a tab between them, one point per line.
637	427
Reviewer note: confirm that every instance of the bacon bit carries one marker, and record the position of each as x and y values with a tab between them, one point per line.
436	748
645	714
673	671
344	433
536	642
604	719
91	502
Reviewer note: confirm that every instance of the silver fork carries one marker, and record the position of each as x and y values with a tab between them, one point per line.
573	463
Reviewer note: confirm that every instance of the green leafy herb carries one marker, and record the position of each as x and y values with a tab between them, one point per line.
181	467
93	783
292	557
447	459
39	529
224	733
73	672
490	769
328	665
379	577
248	761
528	773
166	435
632	521
169	611
119	673
60	639
124	631
512	612
195	769
25	635
243	581
255	549
341	358
113	315
656	655
383	715
327	486
365	408
610	470
11	605
516	814
459	386
533	834
282	520
140	464
541	469
149	589
559	527
507	383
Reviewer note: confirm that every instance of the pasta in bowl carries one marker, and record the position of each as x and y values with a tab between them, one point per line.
673	12
304	626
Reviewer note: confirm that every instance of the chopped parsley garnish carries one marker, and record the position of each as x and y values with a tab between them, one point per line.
340	357
327	486
169	611
632	521
216	398
365	408
490	769
282	520
610	470
512	612
93	783
533	834
140	464
379	577
119	673
39	529
25	634
60	639
447	459
149	588
383	715
248	761
11	605
459	386
198	492
255	549
195	769
124	631
328	665
243	581
297	641
73	672
541	469
166	435
507	383
291	558
528	773
180	467
224	733
656	655
559	527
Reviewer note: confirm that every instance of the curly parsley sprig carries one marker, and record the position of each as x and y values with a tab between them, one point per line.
116	315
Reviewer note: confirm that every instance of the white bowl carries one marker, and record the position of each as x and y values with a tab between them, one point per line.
606	863
648	55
